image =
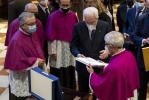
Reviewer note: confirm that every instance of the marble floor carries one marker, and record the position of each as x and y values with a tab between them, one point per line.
4	94
3	73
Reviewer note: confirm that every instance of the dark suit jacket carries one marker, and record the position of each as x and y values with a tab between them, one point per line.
141	32
104	17
55	4
81	43
42	15
80	4
130	22
15	8
111	11
121	16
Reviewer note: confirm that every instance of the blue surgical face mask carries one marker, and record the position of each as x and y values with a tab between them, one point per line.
139	5
31	29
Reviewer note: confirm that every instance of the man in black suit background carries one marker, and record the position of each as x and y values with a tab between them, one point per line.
140	37
87	41
43	12
78	6
128	28
121	14
15	8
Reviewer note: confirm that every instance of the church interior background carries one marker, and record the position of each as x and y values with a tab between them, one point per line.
4	91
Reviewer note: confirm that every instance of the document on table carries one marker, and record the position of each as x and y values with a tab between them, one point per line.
90	61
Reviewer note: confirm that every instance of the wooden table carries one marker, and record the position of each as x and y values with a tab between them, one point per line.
70	94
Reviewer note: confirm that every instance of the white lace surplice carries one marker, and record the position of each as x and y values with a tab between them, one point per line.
18	81
62	50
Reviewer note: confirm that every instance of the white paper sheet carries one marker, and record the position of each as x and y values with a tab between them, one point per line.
90	61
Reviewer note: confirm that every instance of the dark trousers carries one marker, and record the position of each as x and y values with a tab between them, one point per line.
13	97
144	78
83	84
45	49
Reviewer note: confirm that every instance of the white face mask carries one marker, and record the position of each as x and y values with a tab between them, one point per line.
106	48
91	27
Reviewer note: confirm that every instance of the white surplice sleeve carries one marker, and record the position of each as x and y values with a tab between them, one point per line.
52	48
89	83
34	65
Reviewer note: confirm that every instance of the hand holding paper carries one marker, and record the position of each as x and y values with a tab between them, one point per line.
81	55
89	68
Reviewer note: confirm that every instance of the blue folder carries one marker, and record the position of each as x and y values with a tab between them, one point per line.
44	86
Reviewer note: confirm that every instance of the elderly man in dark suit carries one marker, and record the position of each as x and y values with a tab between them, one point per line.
140	37
15	8
43	12
78	6
87	41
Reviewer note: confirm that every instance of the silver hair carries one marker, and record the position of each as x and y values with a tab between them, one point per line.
23	17
114	38
90	11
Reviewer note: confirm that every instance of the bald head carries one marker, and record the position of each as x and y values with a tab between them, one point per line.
64	1
30	7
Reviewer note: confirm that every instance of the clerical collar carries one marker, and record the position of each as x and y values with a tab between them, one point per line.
23	31
118	52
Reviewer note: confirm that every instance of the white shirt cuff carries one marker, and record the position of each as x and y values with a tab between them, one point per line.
89	83
142	42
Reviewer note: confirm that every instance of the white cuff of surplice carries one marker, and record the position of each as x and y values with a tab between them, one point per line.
34	65
106	64
90	84
52	48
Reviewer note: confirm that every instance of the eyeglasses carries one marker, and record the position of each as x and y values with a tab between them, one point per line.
111	45
92	23
106	44
31	24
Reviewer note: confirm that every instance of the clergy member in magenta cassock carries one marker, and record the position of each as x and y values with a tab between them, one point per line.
24	52
120	79
14	26
59	35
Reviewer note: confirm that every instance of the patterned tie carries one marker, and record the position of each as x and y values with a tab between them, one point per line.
47	13
92	34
